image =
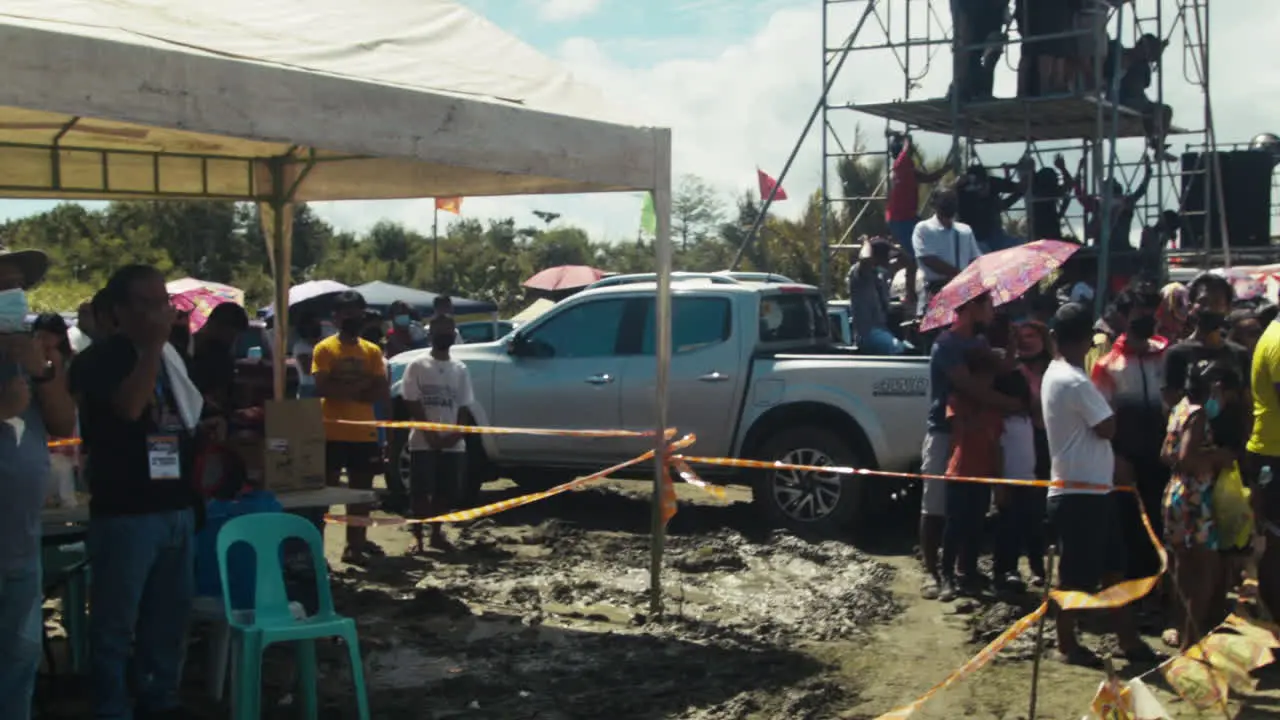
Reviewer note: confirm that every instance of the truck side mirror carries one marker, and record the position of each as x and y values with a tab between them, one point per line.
517	345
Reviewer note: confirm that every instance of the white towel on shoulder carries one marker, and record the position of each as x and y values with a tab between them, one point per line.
185	395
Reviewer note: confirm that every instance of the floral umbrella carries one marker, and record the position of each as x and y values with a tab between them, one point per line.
200	302
1005	275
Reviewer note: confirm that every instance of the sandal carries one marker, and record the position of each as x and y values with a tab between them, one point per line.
1081	657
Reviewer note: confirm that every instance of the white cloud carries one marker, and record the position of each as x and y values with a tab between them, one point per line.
735	105
566	10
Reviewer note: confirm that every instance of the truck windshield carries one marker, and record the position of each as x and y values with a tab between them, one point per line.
793	317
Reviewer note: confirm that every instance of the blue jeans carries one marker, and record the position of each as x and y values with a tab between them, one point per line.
140	591
880	342
21	630
967	505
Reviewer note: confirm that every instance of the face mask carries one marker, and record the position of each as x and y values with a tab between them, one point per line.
402	321
1143	327
442	342
13	310
351	326
1208	321
1213	408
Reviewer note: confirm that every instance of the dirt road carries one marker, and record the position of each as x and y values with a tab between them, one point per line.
542	612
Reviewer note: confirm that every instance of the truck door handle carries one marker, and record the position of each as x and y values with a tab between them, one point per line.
602	379
714	376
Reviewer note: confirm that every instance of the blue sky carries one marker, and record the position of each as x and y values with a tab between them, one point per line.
736	79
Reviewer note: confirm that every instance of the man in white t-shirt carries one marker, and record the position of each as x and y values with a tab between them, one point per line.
943	245
1079	423
437	389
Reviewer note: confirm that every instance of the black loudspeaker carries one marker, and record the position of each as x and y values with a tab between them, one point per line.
1246	190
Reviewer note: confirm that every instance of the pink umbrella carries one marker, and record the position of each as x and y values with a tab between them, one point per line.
200	302
1006	275
564	277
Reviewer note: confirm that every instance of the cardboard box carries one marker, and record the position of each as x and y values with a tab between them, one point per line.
294	439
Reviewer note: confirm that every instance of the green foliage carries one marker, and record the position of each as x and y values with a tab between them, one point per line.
223	242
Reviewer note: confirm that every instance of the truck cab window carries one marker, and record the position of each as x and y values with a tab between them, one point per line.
789	317
696	323
586	330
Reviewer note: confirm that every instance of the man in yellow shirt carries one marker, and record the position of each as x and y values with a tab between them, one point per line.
1264	452
350	377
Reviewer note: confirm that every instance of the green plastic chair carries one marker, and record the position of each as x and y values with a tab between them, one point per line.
273	622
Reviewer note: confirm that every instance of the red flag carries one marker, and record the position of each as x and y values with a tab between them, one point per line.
767	184
450	205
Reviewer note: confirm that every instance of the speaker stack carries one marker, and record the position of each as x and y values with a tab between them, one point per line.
1246	192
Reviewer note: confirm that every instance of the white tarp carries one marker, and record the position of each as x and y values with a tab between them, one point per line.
431	98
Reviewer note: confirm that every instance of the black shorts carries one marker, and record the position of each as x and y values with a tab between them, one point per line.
1090	545
435	476
359	459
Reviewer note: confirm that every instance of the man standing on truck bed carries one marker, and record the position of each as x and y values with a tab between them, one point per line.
943	246
948	371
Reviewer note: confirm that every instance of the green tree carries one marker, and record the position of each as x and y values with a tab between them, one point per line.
696	210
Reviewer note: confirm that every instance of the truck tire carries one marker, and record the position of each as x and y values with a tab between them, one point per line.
808	504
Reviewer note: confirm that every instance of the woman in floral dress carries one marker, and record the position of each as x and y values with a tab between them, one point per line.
1189	528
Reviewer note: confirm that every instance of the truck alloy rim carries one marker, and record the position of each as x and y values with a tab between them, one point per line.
806	496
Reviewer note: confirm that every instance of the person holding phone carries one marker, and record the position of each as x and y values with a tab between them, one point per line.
34	405
139	412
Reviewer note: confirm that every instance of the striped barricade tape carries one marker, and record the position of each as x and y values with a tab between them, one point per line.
508	504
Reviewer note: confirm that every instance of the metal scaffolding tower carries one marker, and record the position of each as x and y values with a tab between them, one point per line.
917	36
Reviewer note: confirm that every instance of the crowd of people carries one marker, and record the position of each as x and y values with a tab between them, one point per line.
968	221
1165	407
1064	48
146	397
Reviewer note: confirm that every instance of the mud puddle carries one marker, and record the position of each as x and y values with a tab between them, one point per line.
549	618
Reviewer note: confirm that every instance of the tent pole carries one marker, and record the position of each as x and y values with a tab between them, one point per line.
662	332
435	247
277	225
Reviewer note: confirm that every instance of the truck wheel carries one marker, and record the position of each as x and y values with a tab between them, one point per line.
807	503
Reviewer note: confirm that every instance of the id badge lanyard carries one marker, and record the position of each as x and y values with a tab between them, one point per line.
163	445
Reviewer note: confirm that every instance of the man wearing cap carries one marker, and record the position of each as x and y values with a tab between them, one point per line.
34	405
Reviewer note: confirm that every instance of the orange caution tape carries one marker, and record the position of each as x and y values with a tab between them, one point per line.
485	430
503	505
1115	596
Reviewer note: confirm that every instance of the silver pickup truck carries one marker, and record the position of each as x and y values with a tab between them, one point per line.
754	374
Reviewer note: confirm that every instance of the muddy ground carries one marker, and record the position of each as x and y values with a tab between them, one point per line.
542	612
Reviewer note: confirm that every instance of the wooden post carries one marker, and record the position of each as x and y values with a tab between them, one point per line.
1035	661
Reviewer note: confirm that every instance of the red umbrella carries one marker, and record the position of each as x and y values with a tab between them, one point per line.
1005	274
564	277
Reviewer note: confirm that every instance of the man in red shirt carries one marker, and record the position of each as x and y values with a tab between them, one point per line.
902	210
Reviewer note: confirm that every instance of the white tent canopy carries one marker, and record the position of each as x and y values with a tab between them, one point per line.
382	99
296	100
